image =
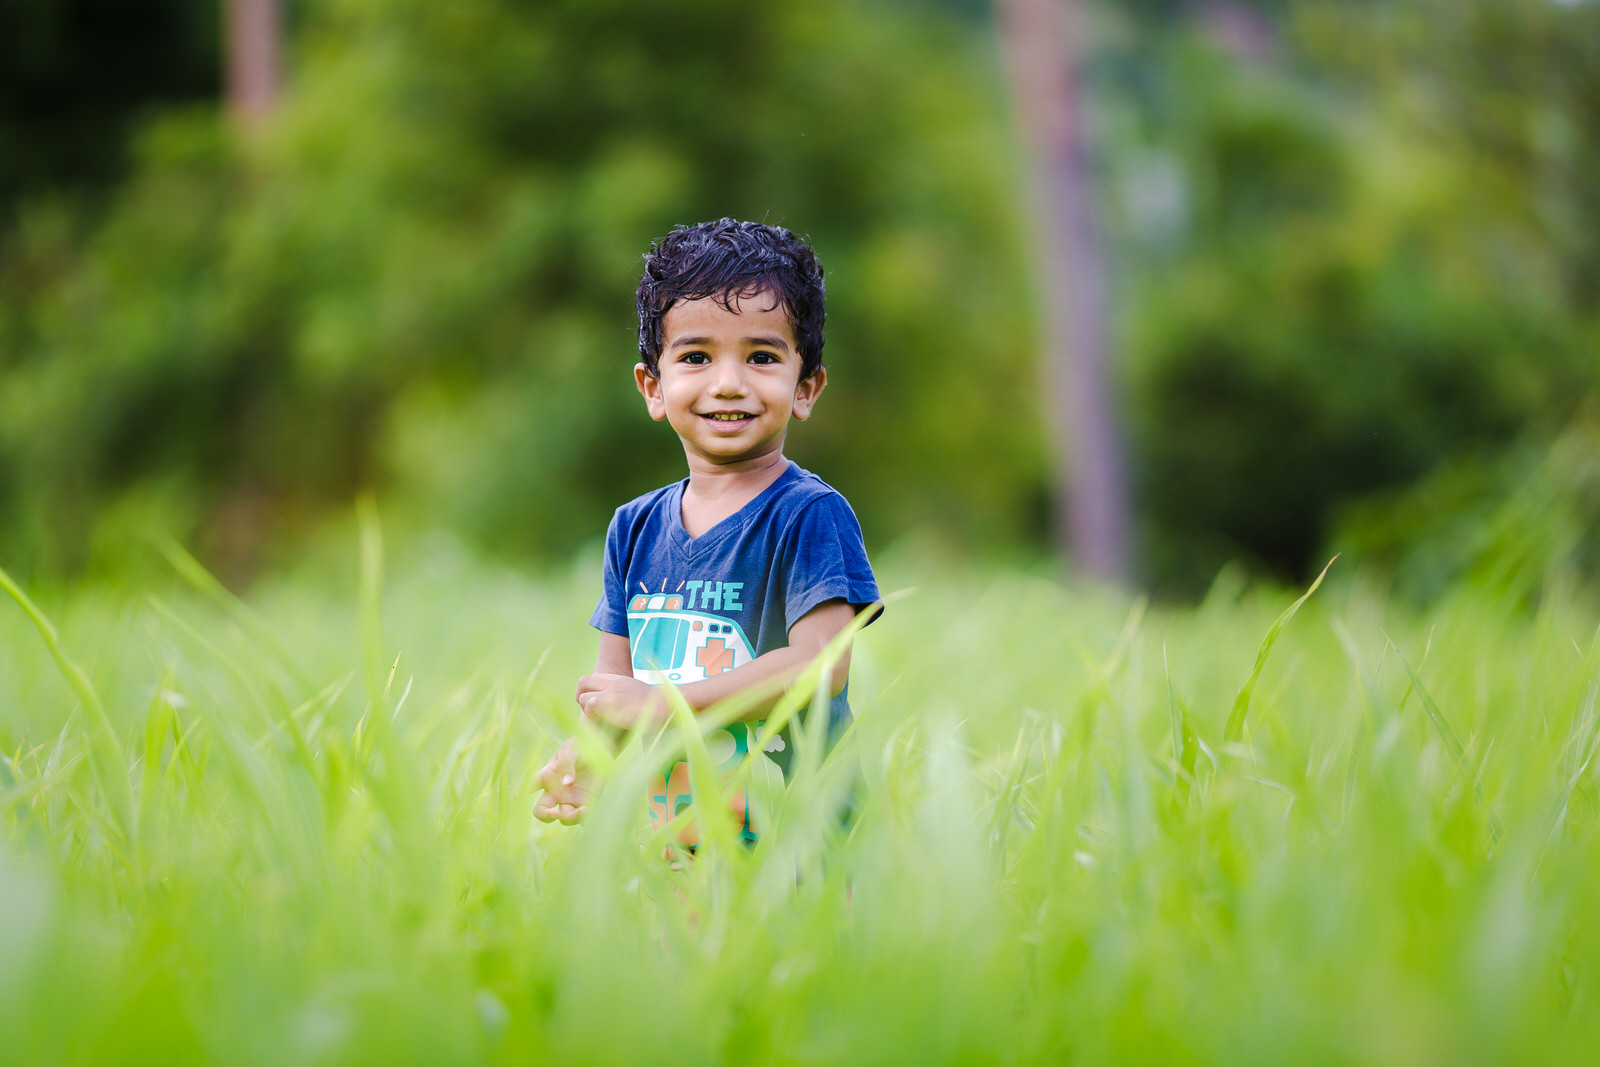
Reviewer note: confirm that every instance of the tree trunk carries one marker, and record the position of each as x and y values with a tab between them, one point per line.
254	31
1043	40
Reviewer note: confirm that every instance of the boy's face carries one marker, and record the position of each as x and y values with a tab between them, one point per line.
728	381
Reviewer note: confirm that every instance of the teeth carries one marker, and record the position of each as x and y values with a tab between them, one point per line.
723	416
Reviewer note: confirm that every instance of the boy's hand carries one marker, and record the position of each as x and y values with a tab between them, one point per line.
621	700
566	787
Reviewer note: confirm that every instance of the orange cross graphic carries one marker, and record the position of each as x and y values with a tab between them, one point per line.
716	657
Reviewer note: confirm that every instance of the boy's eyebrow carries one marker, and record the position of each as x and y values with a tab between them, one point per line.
766	340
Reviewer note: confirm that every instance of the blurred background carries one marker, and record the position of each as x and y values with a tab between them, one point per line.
1155	286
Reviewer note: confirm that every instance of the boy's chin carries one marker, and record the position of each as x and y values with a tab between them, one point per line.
708	452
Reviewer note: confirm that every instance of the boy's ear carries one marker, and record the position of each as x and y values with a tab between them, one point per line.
650	388
805	395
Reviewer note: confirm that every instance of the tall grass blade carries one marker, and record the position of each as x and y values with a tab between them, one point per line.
106	756
1448	735
194	572
1234	730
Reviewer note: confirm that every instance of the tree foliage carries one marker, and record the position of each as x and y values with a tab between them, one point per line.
75	75
1355	246
1350	260
419	276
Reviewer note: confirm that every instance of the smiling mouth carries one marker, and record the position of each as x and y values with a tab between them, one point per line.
727	416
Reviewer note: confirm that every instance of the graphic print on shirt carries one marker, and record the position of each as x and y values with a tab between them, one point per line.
669	643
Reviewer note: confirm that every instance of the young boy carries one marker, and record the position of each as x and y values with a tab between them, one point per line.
739	575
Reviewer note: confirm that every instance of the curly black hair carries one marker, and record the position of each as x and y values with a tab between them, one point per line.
730	260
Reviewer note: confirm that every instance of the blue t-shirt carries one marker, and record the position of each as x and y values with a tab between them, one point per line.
693	607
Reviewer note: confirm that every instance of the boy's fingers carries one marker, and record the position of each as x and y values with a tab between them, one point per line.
566	809
546	775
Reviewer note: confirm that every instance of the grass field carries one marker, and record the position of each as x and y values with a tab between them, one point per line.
1085	831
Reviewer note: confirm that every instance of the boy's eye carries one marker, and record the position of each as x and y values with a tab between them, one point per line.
763	357
694	357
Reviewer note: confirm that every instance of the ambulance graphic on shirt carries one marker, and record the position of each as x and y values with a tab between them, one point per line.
671	644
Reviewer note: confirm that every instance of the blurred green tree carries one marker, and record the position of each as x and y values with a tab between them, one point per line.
1342	271
77	75
1354	243
418	274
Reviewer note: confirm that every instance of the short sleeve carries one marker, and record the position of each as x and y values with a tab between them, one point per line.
825	559
611	614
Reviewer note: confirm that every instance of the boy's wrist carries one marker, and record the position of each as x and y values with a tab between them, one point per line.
622	702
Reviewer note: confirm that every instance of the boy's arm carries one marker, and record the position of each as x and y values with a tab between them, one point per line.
565	783
622	700
615	657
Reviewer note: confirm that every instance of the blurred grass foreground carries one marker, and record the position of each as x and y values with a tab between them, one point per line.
1087	829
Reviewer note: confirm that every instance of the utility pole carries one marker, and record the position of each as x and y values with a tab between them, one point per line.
1044	40
254	30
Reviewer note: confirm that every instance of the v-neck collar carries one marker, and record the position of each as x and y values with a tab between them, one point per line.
694	546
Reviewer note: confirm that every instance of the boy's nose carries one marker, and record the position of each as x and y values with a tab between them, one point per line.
729	380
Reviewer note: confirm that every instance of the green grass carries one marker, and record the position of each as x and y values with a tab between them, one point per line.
301	831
